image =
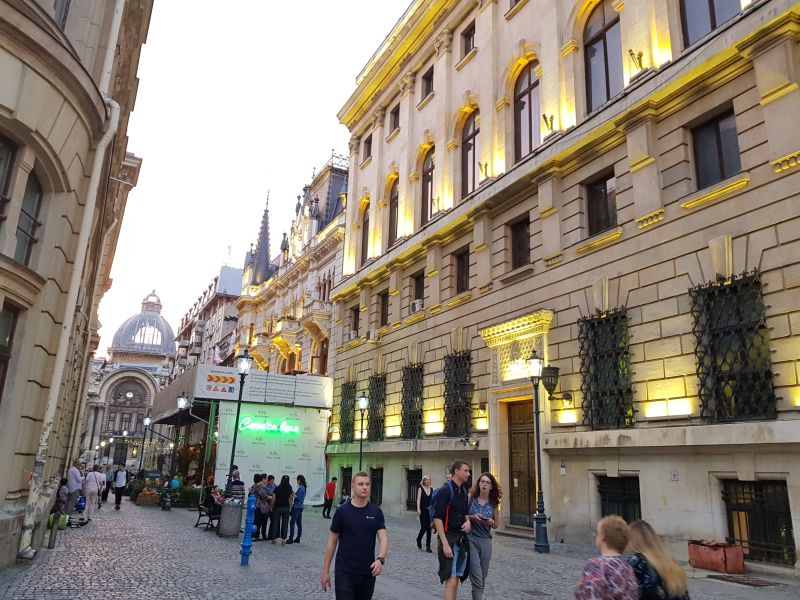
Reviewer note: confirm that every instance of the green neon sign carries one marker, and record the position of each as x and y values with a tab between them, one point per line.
247	424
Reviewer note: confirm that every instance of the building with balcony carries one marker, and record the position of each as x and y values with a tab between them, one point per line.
68	72
285	311
614	185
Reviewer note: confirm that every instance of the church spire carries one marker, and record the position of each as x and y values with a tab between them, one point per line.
262	268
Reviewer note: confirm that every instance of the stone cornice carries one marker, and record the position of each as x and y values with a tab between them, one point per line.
517	329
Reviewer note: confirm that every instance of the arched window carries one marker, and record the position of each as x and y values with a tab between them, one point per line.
28	220
603	46
526	113
365	235
394	207
469	154
427	187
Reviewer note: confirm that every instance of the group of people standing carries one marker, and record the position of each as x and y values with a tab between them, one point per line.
279	508
93	484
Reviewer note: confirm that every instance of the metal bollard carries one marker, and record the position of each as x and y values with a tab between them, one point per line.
51	543
247	542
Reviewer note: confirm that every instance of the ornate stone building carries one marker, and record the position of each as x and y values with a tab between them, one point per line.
285	309
68	73
613	184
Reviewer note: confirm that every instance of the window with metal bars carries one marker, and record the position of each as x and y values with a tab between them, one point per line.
760	520
347	480
620	496
411	417
520	244
377	408
347	412
413	479
734	369
606	370
457	411
376	486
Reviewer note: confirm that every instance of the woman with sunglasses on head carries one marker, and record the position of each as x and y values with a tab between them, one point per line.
484	514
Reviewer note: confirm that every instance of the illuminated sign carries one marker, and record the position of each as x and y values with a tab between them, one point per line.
247	424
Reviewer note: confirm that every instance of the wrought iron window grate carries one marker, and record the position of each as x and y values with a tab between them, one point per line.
620	496
376	486
376	426
457	411
606	370
411	423
759	519
734	370
347	412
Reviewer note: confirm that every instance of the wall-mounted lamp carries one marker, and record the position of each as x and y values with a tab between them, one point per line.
548	122
636	57
469	441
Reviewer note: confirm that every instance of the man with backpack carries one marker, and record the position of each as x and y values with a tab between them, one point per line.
449	506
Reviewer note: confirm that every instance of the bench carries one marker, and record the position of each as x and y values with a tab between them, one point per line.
211	520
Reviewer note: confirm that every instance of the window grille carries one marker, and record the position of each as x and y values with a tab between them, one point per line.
734	370
620	496
457	411
377	408
347	480
411	423
347	412
413	479
376	491
759	520
606	370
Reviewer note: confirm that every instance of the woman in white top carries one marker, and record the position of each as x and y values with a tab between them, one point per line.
92	486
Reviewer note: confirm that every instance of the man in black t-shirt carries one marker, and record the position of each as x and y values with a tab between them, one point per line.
452	525
354	528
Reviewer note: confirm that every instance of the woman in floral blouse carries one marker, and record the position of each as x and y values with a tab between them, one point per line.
659	576
609	576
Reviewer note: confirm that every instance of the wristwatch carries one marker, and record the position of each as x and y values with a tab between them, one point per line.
382	559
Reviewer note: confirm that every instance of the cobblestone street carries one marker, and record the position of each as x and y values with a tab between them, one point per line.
145	552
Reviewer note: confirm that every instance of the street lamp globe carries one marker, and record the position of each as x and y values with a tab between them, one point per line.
243	362
124	432
171	445
183	401
103	444
362	401
111	440
97	447
147	421
535	366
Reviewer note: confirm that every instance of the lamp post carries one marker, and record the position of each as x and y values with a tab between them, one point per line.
363	401
147	421
182	402
243	362
537	372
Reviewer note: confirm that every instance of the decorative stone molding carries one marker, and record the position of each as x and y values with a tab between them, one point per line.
569	47
443	42
789	161
728	186
517	329
466	58
425	101
650	219
515	9
407	83
416	317
606	240
378	116
460	299
392	134
553	259
354	144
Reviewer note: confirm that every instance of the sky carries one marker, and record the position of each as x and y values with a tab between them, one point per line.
236	99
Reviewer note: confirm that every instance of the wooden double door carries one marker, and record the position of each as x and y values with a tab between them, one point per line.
522	459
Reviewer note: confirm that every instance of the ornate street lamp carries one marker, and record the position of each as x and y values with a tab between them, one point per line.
363	402
243	363
182	401
147	421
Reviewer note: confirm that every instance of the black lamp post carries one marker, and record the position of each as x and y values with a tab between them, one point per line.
147	421
243	362
549	375
363	401
183	402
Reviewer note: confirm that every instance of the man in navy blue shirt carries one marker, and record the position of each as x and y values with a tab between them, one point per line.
452	525
354	528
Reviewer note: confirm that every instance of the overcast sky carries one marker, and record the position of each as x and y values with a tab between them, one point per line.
235	99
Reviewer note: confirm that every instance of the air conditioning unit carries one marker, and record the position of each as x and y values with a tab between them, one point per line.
373	336
349	336
417	305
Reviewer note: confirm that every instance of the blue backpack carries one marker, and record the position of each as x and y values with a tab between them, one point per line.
435	494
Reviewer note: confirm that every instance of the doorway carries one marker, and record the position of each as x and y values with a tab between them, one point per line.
522	462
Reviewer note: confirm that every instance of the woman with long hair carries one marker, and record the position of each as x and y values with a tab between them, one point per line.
659	576
608	576
280	510
297	511
484	515
424	491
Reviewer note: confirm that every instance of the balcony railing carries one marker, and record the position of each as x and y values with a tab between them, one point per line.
285	326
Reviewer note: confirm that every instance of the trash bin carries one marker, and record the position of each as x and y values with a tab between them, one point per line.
230	519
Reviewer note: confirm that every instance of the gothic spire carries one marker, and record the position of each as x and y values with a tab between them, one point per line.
262	269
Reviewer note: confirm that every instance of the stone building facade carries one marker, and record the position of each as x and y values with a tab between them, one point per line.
285	312
614	185
68	72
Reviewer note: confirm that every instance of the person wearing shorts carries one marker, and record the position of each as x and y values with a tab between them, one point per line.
452	526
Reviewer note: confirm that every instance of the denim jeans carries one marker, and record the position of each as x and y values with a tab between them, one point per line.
296	518
353	587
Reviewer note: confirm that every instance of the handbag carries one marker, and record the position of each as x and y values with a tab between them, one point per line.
80	505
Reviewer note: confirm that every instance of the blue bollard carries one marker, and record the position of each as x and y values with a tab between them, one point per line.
247	542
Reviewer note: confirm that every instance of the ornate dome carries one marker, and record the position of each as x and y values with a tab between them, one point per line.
146	333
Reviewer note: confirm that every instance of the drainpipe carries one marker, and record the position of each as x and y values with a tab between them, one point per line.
111	47
36	481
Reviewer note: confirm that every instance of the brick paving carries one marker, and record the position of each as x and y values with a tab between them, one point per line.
140	553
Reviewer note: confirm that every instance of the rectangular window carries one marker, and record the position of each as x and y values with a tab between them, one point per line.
701	17
457	409
383	309
347	415
376	486
126	422
367	150
427	83
468	39
620	496
462	271
139	423
520	244
418	285
734	369
716	150
376	415
8	322
28	220
112	421
760	520
605	370
411	418
355	317
6	162
347	481
413	479
394	118
601	204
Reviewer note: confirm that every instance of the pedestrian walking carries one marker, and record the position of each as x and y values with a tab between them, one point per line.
93	485
424	491
330	494
355	527
109	475
297	511
74	485
120	481
280	511
658	575
484	515
452	526
609	576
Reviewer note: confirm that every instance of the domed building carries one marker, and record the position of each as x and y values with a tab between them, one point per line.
122	387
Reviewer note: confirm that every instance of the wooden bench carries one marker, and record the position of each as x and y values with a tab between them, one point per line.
211	520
